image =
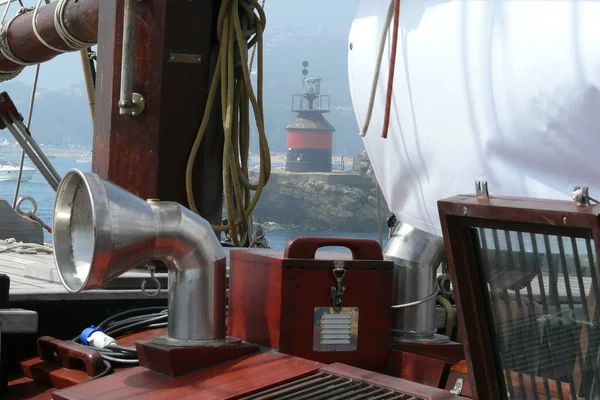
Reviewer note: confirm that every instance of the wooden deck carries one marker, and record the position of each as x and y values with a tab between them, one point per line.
34	277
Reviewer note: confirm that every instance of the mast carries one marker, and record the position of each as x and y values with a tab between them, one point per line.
172	66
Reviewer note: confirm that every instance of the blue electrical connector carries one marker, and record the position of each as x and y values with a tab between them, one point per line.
95	337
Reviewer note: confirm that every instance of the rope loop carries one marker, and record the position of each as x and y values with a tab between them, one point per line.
5	47
232	78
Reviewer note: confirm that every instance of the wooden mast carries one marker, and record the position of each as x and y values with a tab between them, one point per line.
147	153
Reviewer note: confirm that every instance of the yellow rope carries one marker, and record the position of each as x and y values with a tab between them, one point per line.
87	77
444	300
450	315
236	94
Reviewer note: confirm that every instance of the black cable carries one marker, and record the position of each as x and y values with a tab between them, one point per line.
92	56
129	321
105	372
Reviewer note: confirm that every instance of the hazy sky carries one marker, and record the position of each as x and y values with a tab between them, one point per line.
327	15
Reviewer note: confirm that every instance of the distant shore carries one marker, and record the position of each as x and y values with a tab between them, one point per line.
276	158
57	152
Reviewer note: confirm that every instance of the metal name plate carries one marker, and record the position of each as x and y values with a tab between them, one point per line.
185	58
335	331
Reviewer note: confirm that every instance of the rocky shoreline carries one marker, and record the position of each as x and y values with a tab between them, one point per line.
337	201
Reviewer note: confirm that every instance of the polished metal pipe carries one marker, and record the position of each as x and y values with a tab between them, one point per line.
102	231
416	256
185	242
126	104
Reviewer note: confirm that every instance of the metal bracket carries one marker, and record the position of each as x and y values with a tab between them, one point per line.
13	121
458	387
8	110
581	195
481	189
337	292
185	58
139	104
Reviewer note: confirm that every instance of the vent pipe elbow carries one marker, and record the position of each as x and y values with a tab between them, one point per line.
197	273
102	231
416	255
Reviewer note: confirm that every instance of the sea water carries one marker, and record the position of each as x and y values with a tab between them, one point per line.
38	189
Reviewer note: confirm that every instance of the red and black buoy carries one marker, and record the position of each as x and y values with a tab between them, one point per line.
309	135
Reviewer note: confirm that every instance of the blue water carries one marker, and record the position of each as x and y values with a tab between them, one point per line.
39	189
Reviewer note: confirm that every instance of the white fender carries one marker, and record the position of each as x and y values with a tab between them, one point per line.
498	90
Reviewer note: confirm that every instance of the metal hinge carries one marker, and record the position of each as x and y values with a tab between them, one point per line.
458	387
581	195
481	189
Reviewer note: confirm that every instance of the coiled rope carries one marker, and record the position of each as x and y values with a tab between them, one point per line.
11	245
236	95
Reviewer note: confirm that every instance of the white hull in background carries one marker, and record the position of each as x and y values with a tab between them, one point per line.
496	90
13	174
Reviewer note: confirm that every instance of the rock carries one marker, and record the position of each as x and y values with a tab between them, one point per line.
323	201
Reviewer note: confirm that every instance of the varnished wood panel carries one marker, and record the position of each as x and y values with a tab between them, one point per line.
225	381
177	361
458	215
26	389
451	352
417	368
272	300
51	373
254	299
370	290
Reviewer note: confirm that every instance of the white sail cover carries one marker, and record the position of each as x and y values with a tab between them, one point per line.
498	90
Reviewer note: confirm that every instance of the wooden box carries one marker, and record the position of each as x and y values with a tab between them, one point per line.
284	301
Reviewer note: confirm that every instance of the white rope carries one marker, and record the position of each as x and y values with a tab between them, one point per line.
382	42
61	29
259	239
11	245
8	75
37	33
254	47
5	48
63	32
